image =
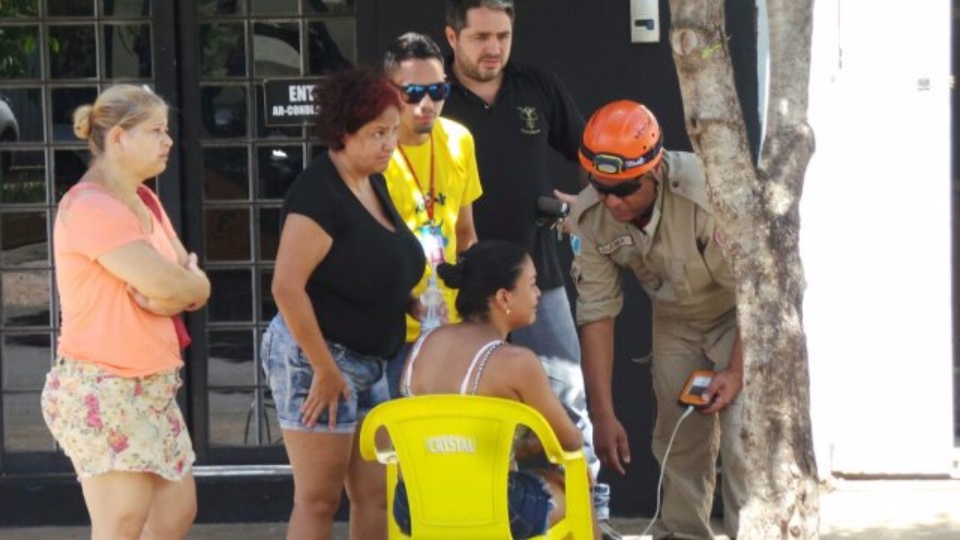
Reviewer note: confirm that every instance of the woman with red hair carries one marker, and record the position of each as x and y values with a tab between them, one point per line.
345	268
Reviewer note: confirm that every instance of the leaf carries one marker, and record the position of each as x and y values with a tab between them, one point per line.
708	52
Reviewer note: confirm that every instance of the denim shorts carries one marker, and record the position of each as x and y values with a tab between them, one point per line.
290	375
528	500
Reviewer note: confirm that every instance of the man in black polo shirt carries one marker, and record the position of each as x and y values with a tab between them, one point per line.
518	114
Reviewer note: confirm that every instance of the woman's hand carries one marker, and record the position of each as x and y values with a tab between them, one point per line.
166	309
325	391
153	306
193	264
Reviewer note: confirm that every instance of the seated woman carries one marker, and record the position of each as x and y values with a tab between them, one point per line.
497	294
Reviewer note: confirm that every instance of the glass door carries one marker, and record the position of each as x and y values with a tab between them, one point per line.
54	56
238	171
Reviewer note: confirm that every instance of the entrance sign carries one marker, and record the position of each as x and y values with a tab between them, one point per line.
289	102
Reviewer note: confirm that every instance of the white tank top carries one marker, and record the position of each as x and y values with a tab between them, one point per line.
476	365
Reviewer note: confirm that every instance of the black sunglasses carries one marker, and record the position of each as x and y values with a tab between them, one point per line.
620	190
413	93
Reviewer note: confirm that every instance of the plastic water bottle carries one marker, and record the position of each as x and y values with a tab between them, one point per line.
432	301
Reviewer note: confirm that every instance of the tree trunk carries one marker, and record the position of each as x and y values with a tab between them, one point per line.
757	211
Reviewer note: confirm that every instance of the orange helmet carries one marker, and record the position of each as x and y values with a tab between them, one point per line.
622	140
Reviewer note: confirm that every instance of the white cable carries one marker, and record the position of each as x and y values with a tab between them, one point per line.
663	468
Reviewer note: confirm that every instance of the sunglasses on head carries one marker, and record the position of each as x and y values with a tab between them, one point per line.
620	189
413	93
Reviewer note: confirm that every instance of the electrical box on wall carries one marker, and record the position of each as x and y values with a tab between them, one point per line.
644	21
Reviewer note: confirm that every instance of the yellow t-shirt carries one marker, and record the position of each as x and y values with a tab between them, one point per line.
456	184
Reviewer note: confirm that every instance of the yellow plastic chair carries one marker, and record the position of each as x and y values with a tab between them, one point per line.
455	452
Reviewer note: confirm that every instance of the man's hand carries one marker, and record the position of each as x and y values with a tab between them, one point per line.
610	442
723	389
566	225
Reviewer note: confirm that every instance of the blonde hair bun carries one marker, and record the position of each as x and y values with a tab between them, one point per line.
81	122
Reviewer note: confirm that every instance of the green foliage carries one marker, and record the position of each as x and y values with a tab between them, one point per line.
18	8
220	42
18	51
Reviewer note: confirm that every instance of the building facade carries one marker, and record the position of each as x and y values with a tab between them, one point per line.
231	166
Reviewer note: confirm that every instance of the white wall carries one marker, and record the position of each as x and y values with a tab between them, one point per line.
875	238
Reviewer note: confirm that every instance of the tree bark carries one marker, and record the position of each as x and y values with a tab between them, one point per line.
756	207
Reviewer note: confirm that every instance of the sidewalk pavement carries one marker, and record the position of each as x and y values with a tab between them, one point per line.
850	510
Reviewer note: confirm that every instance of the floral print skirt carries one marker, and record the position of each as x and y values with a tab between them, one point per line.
107	423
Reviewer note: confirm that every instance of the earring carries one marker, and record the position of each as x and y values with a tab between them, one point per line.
508	311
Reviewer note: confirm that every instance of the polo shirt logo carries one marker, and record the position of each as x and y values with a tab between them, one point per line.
616	244
530	119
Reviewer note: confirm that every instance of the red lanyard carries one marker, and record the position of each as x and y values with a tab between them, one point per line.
428	196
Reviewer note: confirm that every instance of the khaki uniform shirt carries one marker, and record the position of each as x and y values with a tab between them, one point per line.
675	257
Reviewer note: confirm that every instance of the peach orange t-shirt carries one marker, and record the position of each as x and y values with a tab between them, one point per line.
101	323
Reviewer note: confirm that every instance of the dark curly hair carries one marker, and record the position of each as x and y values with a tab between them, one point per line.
483	269
349	100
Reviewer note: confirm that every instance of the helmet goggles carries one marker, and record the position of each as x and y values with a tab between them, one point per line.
613	164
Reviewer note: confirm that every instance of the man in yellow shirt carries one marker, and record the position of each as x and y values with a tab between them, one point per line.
432	176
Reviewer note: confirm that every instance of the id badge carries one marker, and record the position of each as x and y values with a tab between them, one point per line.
433	242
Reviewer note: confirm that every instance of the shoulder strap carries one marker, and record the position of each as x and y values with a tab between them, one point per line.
150	200
408	372
479	362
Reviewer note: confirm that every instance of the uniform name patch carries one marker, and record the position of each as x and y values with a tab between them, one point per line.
617	243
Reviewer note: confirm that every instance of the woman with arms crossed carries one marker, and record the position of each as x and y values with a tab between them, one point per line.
121	274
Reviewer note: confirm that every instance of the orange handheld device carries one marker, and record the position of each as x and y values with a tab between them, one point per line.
693	389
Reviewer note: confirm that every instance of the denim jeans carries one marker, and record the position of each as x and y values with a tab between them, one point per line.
553	337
